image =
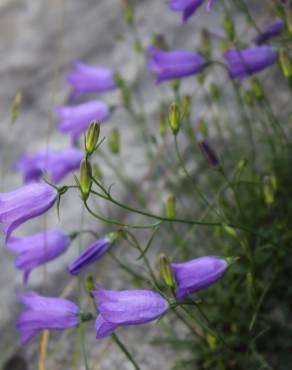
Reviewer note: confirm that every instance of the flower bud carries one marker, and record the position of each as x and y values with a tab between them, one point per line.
91	137
114	141
166	272
85	180
257	89
269	189
158	41
285	64
212	342
170	206
174	118
89	283
248	98
214	91
229	29
209	154
186	106
15	106
223	45
128	10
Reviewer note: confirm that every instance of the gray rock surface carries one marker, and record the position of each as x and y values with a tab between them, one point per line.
38	41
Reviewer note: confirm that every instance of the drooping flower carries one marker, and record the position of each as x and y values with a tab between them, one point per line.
35	250
272	30
55	163
29	201
127	307
169	65
189	7
45	313
245	62
91	254
76	119
86	79
197	274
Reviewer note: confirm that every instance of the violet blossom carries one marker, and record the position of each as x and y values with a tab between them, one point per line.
272	30
29	201
35	250
76	119
127	307
189	7
54	163
45	313
169	65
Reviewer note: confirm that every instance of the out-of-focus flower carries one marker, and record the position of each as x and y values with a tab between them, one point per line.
35	250
29	201
189	7
245	62
197	274
76	119
91	254
209	153
272	30
86	79
55	163
45	313
128	307
169	65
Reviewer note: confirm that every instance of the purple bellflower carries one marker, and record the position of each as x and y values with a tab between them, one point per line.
189	7
245	62
45	313
197	274
29	201
272	30
128	307
89	79
55	163
169	65
76	119
91	254
35	250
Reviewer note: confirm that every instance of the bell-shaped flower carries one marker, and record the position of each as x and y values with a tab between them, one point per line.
91	254
169	65
56	164
189	7
245	62
29	201
35	250
197	274
274	29
45	313
128	307
76	119
86	79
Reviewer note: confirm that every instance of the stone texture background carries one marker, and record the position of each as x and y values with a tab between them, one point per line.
38	41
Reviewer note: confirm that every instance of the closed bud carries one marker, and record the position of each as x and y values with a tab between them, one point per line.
230	231
212	342
248	98
285	64
257	89
162	123
91	137
85	180
15	106
209	154
174	118
89	283
166	272
229	29
114	141
159	41
128	10
170	206
269	189
214	91
186	106
223	45
119	80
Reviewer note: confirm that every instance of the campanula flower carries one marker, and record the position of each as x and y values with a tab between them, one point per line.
29	201
189	7
169	65
45	313
86	79
76	119
127	307
54	163
91	254
209	153
197	274
272	30
245	62
35	250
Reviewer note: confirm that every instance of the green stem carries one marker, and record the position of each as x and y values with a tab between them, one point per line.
125	351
